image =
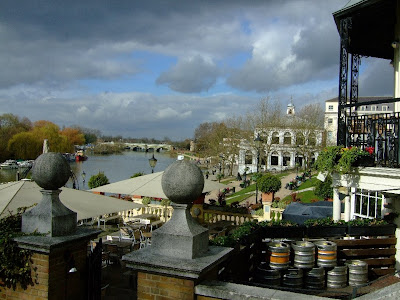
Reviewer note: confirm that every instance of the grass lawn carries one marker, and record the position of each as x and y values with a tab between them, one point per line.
241	195
305	197
239	198
308	183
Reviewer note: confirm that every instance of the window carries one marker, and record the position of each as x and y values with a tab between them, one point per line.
330	107
275	138
373	107
248	159
287	138
330	121
384	108
330	135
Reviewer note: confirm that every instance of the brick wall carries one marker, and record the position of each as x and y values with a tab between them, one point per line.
50	277
206	298
158	287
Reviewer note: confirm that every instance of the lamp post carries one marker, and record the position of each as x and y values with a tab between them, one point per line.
257	142
152	162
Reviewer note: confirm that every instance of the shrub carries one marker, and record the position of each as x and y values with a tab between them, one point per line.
137	174
98	180
269	183
146	200
165	202
324	189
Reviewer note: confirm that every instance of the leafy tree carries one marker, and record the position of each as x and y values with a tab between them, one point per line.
74	137
9	126
324	189
269	183
98	180
25	145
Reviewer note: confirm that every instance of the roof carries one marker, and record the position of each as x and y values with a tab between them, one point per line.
149	186
14	195
373	26
363	99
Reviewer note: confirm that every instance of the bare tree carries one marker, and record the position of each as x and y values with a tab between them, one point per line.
264	120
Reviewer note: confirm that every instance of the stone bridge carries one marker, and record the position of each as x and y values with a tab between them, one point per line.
148	147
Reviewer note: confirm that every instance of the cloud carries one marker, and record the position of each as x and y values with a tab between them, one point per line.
192	75
168	66
377	79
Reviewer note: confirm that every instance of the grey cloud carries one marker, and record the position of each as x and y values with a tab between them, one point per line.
377	79
192	75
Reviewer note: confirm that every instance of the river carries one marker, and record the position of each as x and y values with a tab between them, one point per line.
116	167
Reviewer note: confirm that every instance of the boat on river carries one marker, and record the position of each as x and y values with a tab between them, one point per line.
9	164
25	164
80	156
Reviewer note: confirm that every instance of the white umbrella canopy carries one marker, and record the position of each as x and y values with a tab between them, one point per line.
86	204
148	186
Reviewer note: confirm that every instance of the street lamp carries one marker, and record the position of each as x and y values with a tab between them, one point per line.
257	142
152	162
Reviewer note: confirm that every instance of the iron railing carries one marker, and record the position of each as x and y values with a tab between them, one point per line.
380	131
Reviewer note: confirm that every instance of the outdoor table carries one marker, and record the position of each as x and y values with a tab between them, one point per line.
124	246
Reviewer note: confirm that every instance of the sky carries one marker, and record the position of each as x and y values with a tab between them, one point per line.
160	68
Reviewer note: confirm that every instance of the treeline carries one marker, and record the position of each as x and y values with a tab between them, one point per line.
22	139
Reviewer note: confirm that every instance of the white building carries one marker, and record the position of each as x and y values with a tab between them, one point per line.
281	148
331	114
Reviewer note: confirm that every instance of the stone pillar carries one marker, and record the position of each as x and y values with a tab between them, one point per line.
59	255
347	208
336	214
353	191
179	256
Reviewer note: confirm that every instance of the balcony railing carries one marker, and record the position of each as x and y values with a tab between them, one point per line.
380	131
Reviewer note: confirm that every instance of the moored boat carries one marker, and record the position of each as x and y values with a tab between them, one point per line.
80	156
9	164
25	164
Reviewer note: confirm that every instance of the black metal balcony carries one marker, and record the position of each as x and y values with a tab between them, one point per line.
380	131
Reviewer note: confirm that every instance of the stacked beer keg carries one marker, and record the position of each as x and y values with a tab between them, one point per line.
312	265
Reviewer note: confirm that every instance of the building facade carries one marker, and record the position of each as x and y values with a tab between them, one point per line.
331	114
282	148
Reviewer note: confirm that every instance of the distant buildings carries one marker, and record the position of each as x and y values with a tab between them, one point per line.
331	114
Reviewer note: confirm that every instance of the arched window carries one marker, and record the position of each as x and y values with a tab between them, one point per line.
248	158
275	138
300	139
287	138
312	140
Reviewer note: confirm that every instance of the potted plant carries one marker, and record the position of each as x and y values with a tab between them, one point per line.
325	227
344	160
370	227
268	184
281	229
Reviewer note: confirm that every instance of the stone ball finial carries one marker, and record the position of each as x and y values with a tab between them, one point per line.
51	171
182	182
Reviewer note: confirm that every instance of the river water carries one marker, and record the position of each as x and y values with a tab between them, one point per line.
116	167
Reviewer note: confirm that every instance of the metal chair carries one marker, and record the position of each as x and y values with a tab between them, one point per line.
137	239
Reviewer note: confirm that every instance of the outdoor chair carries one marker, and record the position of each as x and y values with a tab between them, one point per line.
114	255
137	239
105	258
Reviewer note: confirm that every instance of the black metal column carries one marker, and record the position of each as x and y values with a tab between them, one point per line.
345	25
